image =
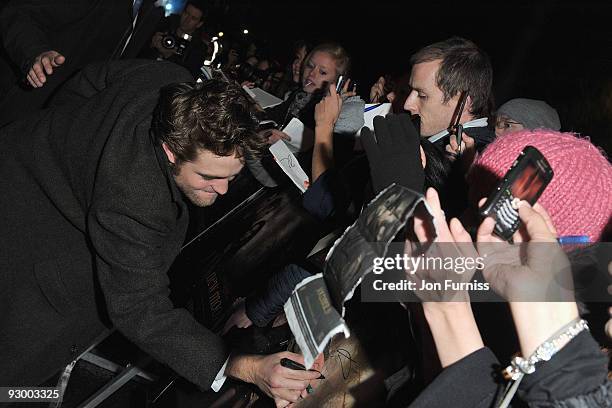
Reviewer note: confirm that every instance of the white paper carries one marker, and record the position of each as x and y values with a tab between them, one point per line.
369	115
263	98
302	137
290	165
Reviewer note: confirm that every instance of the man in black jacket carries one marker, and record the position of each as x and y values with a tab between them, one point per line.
93	215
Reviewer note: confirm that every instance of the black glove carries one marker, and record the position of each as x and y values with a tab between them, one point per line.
394	153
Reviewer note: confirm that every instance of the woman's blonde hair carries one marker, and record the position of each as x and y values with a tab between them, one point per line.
337	52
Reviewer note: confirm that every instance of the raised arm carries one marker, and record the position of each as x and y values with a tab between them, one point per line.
326	115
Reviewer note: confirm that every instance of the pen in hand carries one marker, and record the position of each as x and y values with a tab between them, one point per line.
288	363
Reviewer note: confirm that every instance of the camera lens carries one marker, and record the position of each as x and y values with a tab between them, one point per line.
169	42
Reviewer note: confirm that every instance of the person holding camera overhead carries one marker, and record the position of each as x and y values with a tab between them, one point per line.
178	38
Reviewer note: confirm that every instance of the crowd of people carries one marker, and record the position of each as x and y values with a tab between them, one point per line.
102	151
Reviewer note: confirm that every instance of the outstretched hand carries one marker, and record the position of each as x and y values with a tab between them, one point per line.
394	153
43	65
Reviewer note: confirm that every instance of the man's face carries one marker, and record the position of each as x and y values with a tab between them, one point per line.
191	19
426	99
203	179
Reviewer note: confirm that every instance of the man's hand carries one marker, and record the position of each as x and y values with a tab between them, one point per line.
282	384
44	64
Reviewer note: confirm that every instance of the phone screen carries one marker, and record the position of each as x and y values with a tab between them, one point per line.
529	184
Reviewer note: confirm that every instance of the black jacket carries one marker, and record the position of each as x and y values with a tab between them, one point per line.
91	221
84	31
574	377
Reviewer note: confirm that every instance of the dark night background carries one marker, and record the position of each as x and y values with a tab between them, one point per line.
559	51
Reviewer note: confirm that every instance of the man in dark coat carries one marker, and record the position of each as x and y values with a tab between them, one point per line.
46	41
93	215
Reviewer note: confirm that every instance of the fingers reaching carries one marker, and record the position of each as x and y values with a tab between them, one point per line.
46	63
535	224
43	65
38	72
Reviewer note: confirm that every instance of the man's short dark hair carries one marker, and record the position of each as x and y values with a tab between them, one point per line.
197	4
215	116
464	67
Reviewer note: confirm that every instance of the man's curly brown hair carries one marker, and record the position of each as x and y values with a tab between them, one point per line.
216	116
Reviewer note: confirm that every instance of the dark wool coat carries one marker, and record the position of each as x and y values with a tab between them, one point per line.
91	221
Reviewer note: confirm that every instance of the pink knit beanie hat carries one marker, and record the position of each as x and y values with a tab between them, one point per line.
579	196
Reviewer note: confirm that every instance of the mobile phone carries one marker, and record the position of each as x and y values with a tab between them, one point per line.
456	129
340	83
526	180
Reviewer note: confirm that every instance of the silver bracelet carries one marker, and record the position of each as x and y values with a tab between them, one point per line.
520	366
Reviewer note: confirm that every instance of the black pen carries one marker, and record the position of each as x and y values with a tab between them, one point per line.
293	365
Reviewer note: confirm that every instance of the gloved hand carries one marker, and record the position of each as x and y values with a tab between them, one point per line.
394	153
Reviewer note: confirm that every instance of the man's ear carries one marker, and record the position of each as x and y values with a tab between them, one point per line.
169	154
200	24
